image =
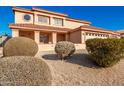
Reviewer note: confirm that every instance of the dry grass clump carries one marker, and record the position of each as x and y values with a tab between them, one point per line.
20	46
24	70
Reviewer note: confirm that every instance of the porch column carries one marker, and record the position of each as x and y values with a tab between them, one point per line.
37	36
66	37
15	32
54	37
83	37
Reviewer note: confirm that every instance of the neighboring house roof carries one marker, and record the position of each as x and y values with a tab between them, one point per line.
38	27
93	29
120	31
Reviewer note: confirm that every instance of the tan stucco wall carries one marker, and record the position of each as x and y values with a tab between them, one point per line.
51	47
75	37
72	25
19	18
54	37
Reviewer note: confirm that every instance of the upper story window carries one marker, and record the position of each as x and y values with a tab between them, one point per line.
27	17
58	21
43	19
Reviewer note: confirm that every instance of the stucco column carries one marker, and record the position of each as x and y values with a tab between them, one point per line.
64	21
66	37
54	37
15	32
83	37
37	36
51	21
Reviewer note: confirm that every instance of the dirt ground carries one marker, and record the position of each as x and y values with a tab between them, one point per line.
81	70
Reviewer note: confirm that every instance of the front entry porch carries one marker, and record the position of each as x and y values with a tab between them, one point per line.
41	37
45	40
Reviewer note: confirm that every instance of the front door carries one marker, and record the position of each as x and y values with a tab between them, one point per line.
44	38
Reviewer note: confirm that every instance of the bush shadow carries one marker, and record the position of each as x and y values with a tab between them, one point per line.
82	59
50	57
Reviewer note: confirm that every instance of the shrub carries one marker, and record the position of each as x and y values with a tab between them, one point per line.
20	46
105	52
24	70
64	49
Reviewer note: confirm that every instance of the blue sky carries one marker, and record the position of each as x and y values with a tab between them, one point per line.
108	17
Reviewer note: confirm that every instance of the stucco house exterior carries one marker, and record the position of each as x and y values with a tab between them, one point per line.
47	28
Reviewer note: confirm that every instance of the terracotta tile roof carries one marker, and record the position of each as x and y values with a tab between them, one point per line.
38	27
78	20
59	29
94	29
49	12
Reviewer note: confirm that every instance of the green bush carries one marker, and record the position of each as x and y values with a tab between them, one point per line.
105	52
20	46
64	49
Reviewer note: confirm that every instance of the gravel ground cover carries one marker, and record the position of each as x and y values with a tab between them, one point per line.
80	70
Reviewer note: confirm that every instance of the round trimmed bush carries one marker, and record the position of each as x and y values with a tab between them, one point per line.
64	49
105	52
20	46
24	70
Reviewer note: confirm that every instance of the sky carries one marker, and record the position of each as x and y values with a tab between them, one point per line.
107	17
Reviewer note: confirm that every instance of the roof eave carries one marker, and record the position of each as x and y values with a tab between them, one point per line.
22	10
49	12
28	28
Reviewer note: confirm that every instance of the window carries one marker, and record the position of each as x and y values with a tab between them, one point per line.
27	17
58	21
43	19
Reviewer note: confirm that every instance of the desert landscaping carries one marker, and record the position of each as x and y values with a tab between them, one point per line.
80	70
65	66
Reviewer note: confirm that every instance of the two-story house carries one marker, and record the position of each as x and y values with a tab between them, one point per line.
47	27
